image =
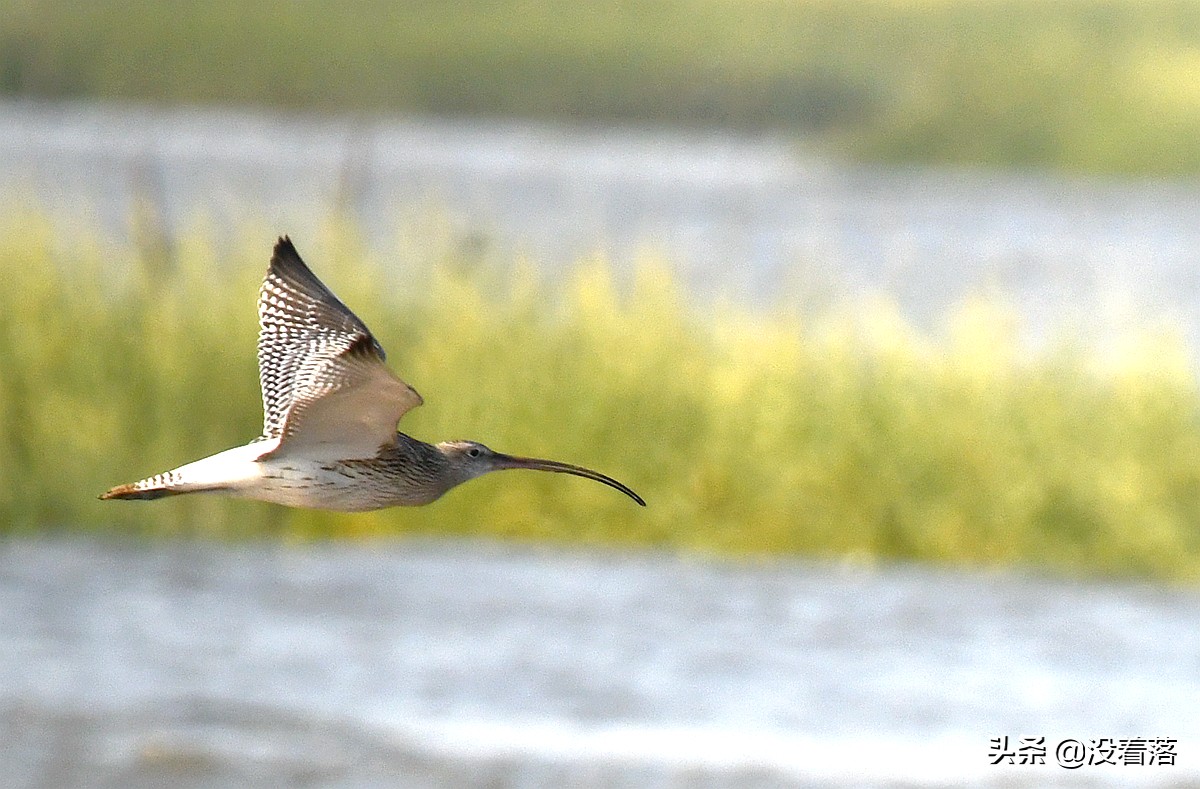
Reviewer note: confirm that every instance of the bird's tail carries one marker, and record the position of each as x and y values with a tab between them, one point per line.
227	471
169	483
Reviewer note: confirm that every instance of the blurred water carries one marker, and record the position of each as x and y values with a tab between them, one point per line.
472	664
750	217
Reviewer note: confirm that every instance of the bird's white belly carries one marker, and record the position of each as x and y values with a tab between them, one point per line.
318	485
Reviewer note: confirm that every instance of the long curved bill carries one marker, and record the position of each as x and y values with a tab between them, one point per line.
537	464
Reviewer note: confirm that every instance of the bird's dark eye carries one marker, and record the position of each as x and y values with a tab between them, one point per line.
473	452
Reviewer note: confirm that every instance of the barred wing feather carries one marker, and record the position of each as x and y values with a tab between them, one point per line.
324	381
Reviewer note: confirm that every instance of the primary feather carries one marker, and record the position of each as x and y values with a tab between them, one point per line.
324	381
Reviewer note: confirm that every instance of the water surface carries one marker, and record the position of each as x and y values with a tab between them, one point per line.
469	663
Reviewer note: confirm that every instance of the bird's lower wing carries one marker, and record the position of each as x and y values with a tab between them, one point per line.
346	409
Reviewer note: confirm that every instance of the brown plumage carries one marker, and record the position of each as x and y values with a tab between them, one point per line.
330	408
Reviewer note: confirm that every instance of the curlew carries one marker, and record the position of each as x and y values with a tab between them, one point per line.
330	408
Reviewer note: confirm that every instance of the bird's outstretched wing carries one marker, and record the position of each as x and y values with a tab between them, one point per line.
325	386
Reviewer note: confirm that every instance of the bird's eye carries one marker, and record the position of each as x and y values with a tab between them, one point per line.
473	452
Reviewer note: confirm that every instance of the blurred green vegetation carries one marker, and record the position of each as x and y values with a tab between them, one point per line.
846	434
1090	85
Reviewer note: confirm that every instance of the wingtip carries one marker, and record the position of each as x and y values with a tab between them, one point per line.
287	264
284	246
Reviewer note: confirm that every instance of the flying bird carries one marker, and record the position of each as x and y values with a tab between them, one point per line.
330	408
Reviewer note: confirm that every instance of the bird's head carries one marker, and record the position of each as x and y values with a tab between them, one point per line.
470	459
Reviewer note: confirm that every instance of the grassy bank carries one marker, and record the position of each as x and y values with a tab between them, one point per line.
776	434
1094	85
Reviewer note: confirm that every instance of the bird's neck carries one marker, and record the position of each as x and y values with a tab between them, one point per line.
434	463
416	450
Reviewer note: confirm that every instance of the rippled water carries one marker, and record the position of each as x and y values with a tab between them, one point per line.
469	663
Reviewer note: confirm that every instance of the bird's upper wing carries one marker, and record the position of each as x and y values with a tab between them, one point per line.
324	382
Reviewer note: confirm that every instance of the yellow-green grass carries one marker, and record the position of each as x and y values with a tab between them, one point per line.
779	433
1093	85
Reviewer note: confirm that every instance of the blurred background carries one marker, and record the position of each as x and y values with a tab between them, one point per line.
888	308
